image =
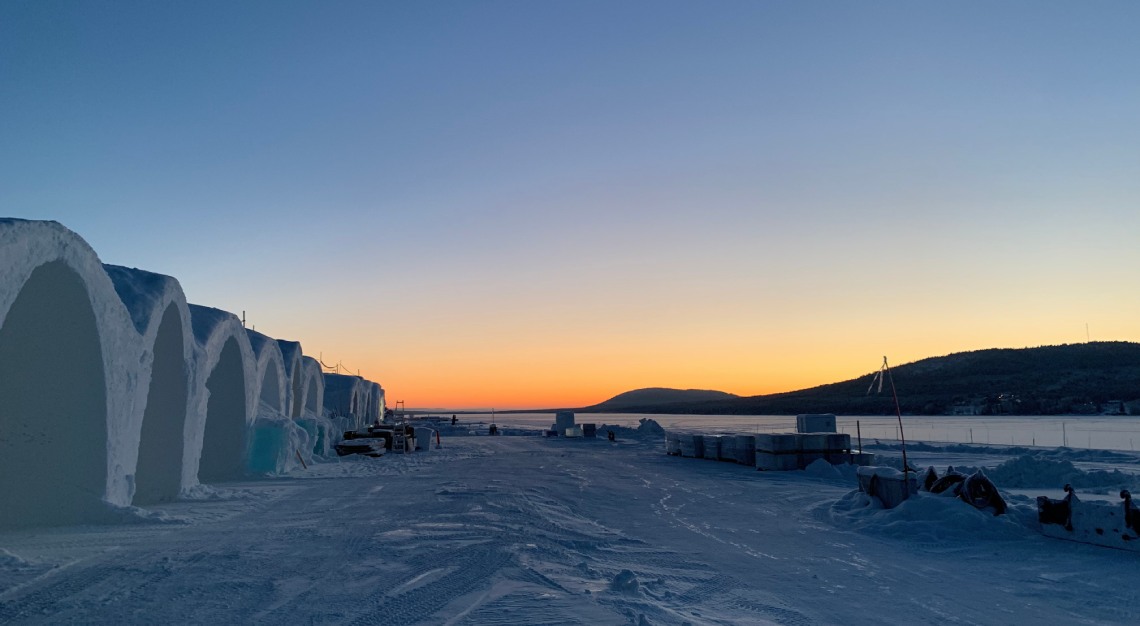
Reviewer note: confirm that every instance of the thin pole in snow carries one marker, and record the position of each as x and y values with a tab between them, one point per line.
898	412
859	431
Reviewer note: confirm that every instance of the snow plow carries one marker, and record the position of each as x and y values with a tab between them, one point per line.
1097	523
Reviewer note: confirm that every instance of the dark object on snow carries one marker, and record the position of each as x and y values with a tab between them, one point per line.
1099	523
949	482
981	493
1058	512
977	489
610	435
367	447
929	477
493	430
590	430
454	420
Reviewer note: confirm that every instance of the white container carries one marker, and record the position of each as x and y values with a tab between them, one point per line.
688	445
777	442
711	447
780	462
727	450
746	449
425	438
815	423
573	431
813	446
887	484
563	420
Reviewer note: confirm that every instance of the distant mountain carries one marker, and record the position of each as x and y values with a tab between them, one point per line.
641	400
1087	378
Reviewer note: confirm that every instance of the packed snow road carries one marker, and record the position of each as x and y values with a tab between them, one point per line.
524	530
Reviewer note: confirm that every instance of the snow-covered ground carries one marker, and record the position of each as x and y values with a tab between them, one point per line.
528	530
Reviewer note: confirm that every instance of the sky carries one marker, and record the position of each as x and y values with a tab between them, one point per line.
544	204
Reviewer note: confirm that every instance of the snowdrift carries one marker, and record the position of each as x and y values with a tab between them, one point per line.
69	368
161	316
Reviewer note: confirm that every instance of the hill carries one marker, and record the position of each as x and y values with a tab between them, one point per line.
1085	378
654	396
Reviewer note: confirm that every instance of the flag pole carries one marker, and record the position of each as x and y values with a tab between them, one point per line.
898	412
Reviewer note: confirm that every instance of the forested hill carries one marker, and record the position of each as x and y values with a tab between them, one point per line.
1076	378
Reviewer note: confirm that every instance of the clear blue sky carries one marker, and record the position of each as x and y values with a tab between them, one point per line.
578	197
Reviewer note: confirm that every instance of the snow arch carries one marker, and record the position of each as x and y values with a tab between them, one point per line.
159	312
272	386
294	375
68	370
223	396
343	397
313	388
375	410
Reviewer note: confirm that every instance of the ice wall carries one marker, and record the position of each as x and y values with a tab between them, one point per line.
161	316
223	397
69	357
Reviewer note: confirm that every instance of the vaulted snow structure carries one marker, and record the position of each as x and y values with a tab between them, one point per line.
159	312
322	431
312	388
345	398
271	382
375	404
224	394
68	373
294	374
275	438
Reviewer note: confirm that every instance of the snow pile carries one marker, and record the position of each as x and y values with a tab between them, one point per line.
931	518
647	430
69	355
1031	471
625	582
820	468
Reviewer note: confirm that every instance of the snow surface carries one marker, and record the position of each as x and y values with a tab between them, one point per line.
529	530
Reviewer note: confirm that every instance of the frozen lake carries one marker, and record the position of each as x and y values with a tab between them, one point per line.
1092	432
